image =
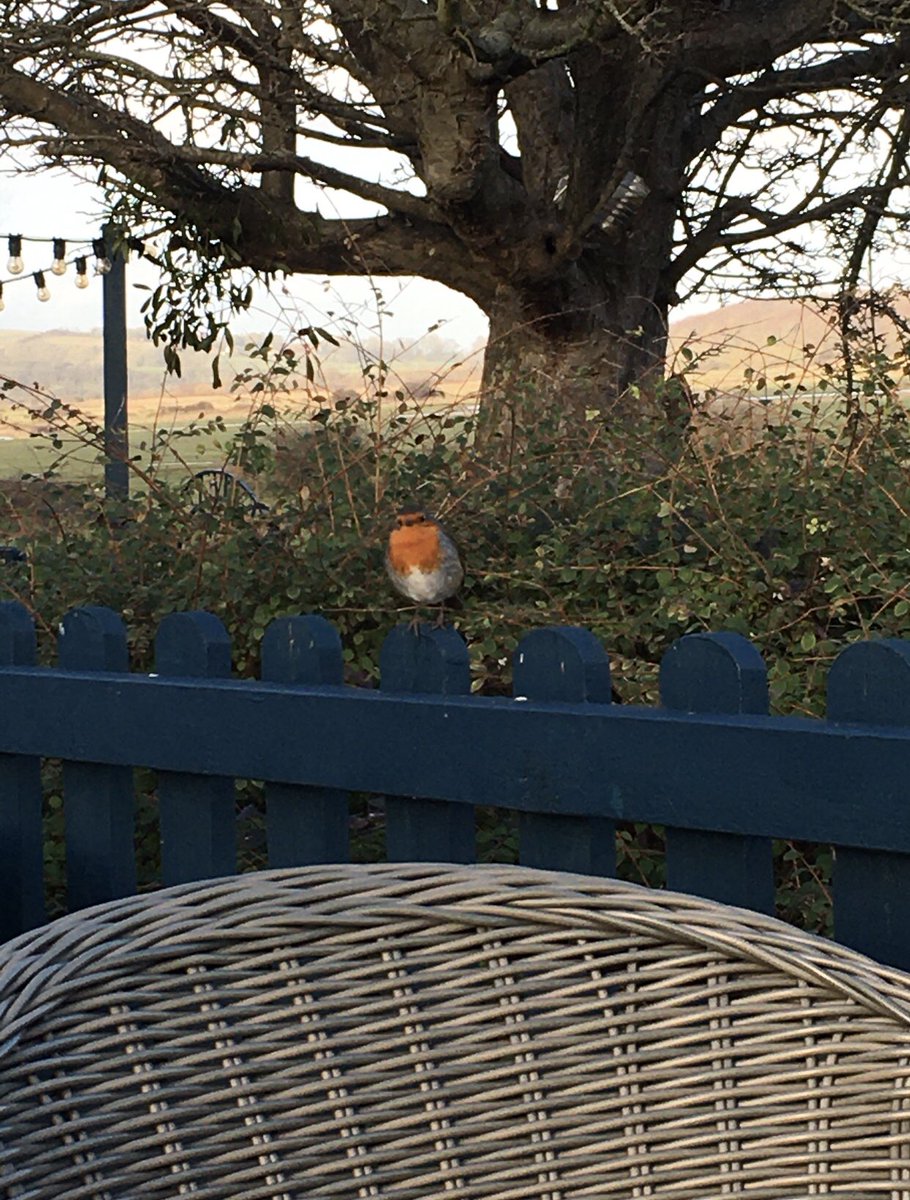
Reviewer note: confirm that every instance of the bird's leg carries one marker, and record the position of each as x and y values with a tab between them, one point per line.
441	615
414	623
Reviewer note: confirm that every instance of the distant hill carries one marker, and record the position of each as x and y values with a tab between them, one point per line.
68	363
753	322
769	335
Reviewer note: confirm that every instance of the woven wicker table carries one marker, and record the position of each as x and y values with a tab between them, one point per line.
426	1032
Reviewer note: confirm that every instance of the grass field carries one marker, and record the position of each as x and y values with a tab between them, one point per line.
181	436
27	441
20	456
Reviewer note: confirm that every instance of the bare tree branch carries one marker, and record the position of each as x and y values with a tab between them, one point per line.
840	71
748	129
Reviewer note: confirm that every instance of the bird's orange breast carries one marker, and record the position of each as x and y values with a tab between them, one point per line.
414	547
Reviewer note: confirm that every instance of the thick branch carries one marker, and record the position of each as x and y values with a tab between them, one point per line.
390	198
222	31
749	35
388	245
265	233
841	71
135	149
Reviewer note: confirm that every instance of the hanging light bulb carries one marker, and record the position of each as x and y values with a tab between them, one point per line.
58	266
15	266
43	290
2	301
102	262
81	272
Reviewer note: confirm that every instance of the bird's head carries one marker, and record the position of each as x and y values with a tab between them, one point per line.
409	517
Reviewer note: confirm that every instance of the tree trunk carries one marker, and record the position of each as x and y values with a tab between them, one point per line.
598	352
579	299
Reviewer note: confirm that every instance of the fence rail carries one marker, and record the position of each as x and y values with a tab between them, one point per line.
711	765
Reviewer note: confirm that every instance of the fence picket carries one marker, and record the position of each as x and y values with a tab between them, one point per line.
99	802
710	764
564	665
427	660
869	683
196	812
21	835
304	825
717	673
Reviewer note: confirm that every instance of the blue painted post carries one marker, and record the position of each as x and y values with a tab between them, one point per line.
566	665
99	802
869	684
304	825
116	433
196	812
21	844
717	673
427	661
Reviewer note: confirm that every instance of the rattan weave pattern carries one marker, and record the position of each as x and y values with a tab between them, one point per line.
424	1031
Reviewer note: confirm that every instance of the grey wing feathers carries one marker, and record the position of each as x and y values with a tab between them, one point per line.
451	563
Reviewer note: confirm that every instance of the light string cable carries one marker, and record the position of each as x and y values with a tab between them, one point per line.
62	258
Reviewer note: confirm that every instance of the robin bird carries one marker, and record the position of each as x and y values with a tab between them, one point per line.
422	560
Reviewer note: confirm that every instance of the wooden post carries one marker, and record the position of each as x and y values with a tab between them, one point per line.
116	432
717	673
427	661
564	664
869	683
21	844
99	801
304	825
197	812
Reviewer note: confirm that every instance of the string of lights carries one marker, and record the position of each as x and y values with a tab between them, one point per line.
63	258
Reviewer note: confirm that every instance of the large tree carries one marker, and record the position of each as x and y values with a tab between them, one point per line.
571	165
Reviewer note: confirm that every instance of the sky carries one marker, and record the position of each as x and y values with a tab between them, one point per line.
54	204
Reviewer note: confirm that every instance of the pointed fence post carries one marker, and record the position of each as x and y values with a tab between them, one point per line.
869	684
717	673
21	837
432	662
304	825
196	812
564	664
99	802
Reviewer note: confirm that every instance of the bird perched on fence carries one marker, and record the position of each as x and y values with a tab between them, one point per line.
422	560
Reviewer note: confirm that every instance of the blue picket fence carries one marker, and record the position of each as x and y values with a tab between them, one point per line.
710	764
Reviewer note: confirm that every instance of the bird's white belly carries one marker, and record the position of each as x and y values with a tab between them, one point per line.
424	587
